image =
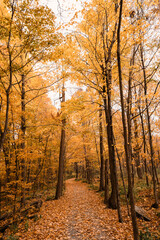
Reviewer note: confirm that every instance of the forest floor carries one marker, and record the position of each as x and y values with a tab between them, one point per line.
79	215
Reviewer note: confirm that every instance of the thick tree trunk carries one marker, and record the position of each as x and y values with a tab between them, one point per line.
59	188
128	162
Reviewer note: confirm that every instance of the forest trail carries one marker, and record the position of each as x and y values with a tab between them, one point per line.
79	215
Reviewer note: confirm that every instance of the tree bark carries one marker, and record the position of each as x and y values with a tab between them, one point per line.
76	169
59	188
122	177
106	192
23	133
144	142
106	95
101	187
149	129
137	147
112	202
9	48
88	165
128	163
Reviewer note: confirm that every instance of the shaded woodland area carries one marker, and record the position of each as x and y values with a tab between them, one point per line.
106	134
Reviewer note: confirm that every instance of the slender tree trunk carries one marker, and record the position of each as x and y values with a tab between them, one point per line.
106	192
0	121
111	136
76	169
0	150
149	129
59	188
9	48
137	147
96	145
101	187
107	87
23	131
4	132
137	151
128	163
17	178
122	177
144	143
83	172
0	197
129	106
6	151
112	202
88	165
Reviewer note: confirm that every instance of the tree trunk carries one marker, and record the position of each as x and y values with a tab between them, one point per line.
0	197
144	142
106	95
149	129
9	48
88	165
112	202
106	193
23	133
96	145
76	169
0	121
59	188
4	132
128	163
137	151
122	177
17	178
101	187
129	106
6	151
137	147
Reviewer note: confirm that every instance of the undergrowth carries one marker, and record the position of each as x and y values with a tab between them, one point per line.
147	235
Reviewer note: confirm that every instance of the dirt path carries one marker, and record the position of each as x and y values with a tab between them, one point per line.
79	215
84	220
